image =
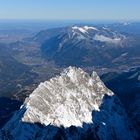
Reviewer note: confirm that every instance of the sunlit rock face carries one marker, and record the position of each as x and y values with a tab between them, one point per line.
73	105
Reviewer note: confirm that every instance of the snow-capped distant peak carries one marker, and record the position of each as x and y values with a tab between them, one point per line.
103	38
88	28
80	29
84	29
97	34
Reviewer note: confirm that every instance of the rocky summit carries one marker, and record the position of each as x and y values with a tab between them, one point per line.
73	106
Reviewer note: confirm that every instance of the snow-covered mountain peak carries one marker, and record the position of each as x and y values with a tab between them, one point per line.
68	99
96	34
90	27
83	29
75	28
103	38
75	100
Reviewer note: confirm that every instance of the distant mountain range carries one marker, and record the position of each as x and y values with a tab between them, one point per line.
89	46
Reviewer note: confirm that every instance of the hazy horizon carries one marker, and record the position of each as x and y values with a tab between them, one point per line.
126	10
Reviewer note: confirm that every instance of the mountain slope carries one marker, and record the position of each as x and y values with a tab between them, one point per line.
73	105
126	86
83	45
89	46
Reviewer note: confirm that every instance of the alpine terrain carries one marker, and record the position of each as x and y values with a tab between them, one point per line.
72	106
88	46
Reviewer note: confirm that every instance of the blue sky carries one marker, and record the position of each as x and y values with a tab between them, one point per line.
70	9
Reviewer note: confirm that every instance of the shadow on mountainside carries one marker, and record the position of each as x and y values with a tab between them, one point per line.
7	109
104	126
126	86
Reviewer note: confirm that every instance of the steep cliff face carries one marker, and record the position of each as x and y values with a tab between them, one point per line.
73	105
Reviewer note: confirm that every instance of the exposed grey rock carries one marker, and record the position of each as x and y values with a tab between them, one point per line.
73	106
